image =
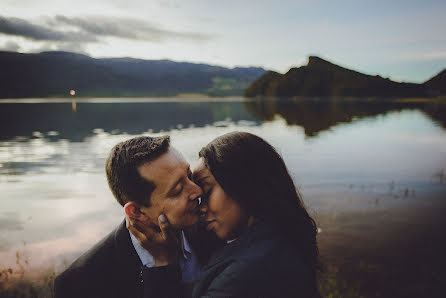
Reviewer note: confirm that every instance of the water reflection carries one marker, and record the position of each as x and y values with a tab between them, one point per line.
10	221
54	139
316	116
55	121
43	120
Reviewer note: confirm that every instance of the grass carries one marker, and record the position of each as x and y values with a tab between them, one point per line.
14	283
24	288
332	285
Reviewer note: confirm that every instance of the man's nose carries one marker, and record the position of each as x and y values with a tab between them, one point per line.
196	191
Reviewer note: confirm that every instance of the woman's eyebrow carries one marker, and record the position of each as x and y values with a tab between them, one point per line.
199	180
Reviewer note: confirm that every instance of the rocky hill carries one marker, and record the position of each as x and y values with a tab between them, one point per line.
437	84
323	78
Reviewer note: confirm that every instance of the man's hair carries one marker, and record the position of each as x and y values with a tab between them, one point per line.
122	165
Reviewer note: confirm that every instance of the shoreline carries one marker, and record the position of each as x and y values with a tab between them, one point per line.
204	98
123	99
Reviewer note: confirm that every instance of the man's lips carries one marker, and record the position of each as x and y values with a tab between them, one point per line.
209	224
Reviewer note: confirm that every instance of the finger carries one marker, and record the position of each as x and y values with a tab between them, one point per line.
140	236
141	231
164	227
129	222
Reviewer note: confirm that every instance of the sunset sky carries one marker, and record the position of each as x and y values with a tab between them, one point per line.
403	40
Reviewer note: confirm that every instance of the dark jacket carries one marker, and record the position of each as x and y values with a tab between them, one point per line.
260	263
113	269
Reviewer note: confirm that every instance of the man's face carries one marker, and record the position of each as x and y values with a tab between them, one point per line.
175	194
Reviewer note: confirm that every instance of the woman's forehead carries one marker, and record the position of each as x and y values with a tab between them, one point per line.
200	170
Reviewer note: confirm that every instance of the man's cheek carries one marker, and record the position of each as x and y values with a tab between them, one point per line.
171	213
165	207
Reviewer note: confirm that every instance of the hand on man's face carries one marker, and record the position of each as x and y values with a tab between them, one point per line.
163	244
175	194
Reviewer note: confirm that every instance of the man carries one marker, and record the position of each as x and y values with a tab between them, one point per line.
152	181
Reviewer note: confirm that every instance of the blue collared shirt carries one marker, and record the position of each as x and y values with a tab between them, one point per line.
190	267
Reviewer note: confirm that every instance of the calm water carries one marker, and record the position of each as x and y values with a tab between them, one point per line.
55	201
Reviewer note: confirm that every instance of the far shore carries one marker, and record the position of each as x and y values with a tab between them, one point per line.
191	98
206	98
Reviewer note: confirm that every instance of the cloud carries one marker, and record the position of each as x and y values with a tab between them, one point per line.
10	46
74	47
90	29
169	4
126	28
426	55
23	28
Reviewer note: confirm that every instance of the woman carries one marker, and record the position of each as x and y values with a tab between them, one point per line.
251	202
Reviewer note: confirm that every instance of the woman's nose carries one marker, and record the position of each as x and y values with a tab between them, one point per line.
203	206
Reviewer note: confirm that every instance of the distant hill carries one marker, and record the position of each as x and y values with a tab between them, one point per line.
50	74
323	78
437	84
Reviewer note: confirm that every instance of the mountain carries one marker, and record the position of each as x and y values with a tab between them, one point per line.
322	78
50	74
437	84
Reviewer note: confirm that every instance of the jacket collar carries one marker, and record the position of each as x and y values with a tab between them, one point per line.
259	231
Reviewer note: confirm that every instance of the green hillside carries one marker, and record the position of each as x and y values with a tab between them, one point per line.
51	74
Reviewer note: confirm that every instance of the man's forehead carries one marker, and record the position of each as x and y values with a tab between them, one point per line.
167	164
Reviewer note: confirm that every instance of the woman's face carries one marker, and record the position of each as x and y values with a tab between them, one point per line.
223	215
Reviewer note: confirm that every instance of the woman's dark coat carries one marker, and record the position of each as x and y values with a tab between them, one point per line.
260	263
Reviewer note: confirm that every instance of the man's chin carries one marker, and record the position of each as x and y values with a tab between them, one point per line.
186	224
195	220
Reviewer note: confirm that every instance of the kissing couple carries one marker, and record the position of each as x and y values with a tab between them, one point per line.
234	227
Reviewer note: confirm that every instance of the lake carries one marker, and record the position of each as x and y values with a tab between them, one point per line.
372	173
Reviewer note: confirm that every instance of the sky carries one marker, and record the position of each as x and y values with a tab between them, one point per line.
402	40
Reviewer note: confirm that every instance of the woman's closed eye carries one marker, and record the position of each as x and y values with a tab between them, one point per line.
206	195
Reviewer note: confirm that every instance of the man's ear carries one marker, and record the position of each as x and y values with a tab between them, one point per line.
133	210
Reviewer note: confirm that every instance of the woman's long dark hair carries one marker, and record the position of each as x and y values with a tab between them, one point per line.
252	172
